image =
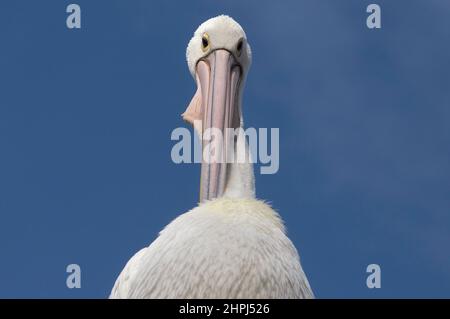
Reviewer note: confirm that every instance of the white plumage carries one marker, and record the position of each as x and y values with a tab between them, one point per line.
232	246
225	248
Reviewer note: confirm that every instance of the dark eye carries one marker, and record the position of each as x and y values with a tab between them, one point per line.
205	42
239	46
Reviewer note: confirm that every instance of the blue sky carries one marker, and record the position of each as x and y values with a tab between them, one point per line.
86	116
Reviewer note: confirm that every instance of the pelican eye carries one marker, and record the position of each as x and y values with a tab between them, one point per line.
205	42
239	47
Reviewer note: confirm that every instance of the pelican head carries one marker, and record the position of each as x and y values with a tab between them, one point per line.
219	33
218	57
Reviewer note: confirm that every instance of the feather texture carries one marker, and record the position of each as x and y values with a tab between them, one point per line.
224	248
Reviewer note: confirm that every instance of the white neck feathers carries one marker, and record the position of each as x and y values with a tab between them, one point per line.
241	179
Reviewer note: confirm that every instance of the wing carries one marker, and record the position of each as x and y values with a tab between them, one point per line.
122	287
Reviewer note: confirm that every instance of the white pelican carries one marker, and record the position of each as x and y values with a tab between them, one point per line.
231	245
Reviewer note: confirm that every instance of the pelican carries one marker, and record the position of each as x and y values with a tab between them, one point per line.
231	245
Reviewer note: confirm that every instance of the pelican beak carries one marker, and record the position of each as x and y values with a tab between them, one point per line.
215	106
